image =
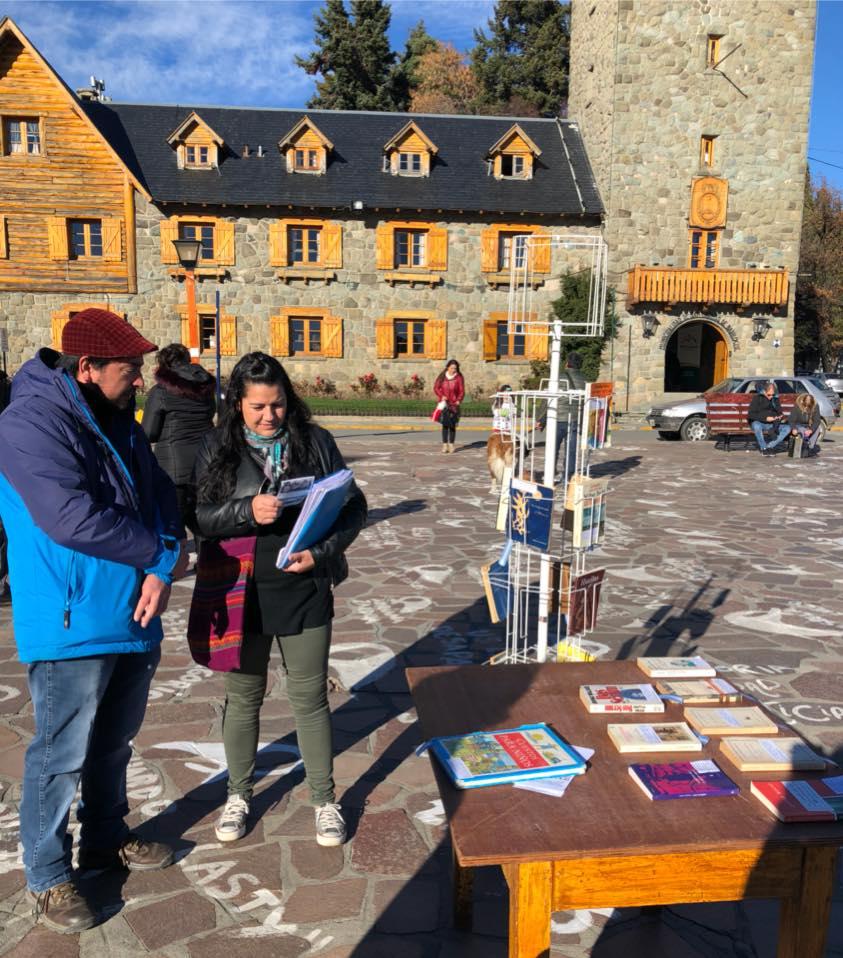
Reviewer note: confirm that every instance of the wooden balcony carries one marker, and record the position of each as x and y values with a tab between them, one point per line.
737	287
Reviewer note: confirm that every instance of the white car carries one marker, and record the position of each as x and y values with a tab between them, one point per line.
685	418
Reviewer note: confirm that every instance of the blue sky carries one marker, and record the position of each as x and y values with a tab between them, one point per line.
242	53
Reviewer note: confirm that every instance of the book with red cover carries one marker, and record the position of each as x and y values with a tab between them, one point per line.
700	779
802	800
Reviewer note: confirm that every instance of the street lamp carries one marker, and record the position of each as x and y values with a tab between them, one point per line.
760	328
649	322
188	251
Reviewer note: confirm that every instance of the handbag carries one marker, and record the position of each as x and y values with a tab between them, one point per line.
224	571
436	415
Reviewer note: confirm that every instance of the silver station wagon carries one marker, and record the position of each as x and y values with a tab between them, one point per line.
685	418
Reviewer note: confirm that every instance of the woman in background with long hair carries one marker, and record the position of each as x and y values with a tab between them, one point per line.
449	388
265	435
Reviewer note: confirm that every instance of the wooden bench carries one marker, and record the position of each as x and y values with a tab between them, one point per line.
728	416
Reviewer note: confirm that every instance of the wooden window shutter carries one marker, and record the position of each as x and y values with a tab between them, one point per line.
279	335
332	337
332	246
4	243
384	338
169	232
489	249
112	248
384	257
490	340
185	330
228	335
540	252
224	243
57	324
437	248
278	243
536	340
435	339
57	237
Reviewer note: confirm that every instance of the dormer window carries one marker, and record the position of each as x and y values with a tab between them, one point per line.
197	146
409	152
513	156
306	148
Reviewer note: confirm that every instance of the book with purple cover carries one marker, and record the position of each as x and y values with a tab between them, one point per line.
700	779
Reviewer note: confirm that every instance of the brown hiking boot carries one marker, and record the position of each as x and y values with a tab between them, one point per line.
62	909
134	854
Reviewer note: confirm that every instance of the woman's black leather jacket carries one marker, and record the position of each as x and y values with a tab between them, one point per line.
234	517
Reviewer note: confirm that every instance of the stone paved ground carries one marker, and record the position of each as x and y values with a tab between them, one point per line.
733	556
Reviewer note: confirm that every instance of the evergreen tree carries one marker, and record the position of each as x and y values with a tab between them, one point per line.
523	63
352	57
419	42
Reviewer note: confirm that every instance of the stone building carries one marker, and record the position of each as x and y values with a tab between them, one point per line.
345	243
695	117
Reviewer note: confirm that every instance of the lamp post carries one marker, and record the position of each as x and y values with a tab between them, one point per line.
187	251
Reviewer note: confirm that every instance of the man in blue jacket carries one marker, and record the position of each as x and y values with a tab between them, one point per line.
95	540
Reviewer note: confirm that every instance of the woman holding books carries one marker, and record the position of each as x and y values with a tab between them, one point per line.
449	388
265	436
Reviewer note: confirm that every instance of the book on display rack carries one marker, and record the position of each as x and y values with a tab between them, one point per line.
507	755
701	691
621	698
700	779
656	737
677	667
584	602
730	721
585	511
530	513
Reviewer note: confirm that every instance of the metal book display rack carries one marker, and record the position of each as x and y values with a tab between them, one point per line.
551	597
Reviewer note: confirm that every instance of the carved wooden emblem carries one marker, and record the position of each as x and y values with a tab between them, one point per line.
708	202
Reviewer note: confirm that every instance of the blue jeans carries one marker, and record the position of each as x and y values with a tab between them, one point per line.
86	713
570	439
759	428
803	432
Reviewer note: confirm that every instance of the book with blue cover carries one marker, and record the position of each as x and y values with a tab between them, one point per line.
318	515
509	755
530	513
701	779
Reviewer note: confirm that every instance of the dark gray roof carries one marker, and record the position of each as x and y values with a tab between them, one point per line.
563	183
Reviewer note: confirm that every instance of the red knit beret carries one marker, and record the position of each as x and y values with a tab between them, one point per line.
104	335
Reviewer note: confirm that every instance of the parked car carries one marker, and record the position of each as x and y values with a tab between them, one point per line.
685	418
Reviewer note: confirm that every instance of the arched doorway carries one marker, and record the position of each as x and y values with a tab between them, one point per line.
696	357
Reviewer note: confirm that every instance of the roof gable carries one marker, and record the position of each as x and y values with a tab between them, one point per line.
9	28
514	133
188	125
300	132
406	135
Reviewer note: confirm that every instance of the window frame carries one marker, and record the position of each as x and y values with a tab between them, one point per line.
86	223
434	329
197	163
201	226
307	332
412	234
510	355
712	50
22	121
513	158
305	230
414	167
413	326
707	150
330	329
308	153
510	239
709	242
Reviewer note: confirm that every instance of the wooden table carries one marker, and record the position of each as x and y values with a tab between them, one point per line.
605	844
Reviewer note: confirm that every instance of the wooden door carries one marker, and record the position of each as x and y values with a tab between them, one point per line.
721	360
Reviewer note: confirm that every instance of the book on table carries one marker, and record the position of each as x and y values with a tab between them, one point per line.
676	667
319	513
655	737
700	779
803	800
730	721
785	754
508	755
701	691
620	698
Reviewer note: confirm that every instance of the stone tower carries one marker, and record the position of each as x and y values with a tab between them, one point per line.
695	117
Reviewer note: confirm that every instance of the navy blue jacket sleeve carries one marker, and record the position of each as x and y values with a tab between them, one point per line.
47	472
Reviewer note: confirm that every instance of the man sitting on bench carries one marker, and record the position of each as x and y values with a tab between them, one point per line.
765	416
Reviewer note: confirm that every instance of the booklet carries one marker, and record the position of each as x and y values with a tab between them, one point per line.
293	491
530	513
508	755
803	800
620	698
693	666
322	506
555	787
660	737
730	721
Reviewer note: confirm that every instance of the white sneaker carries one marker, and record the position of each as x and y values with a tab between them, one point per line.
330	825
231	824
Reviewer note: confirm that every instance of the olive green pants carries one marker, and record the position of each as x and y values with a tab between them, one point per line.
305	660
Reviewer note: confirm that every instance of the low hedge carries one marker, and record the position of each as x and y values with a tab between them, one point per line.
329	406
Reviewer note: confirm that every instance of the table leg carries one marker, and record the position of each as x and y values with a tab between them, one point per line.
463	894
530	896
803	920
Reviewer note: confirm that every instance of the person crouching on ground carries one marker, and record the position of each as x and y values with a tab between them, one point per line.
95	540
765	415
449	389
804	421
265	435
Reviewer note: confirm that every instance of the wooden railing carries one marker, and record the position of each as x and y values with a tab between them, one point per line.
744	287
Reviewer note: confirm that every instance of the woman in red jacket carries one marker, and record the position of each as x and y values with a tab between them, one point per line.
449	388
